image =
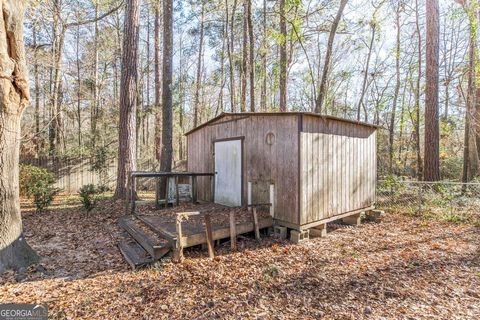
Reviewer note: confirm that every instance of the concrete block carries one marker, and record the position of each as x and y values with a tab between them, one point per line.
375	215
353	220
319	231
280	232
299	236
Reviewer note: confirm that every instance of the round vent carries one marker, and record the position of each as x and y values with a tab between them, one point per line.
270	138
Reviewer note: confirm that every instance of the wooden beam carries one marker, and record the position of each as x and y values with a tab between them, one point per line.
233	231
259	205
224	233
209	235
322	221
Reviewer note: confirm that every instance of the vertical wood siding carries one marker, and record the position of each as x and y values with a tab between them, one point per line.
262	163
338	168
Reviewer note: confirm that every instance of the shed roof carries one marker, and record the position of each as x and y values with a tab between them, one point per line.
290	113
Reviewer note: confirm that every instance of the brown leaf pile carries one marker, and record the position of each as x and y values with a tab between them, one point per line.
399	269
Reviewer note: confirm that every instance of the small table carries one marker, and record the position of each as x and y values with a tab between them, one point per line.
132	186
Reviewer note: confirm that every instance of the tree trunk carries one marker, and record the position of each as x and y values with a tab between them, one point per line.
94	111
198	82
251	57
37	89
263	94
416	123
231	49
373	25
470	154
283	58
167	102
181	105
243	70
128	98
328	55
391	129
158	85
220	106
15	253
146	118
79	89
431	165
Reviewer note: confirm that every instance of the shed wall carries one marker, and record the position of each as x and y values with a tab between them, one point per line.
337	168
263	163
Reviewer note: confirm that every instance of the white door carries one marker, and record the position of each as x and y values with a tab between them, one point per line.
228	173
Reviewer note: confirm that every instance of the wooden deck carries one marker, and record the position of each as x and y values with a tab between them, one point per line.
151	234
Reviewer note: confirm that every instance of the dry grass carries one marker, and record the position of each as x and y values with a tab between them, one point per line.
401	268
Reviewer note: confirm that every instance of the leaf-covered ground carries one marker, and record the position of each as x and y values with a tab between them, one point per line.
401	268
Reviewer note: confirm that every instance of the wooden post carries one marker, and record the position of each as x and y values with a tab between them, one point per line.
249	194
255	223
272	200
133	192
177	192
208	230
233	231
178	252
167	187
127	196
194	189
157	195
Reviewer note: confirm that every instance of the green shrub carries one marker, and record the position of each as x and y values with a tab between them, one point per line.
37	183
89	195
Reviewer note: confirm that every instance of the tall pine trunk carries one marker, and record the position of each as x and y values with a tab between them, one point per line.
127	161
283	57
416	122
263	94
251	56
167	102
158	85
470	155
198	82
243	70
431	165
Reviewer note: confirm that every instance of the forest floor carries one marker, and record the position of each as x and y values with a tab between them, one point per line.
401	268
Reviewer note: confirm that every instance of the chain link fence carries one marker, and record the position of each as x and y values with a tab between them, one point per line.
448	201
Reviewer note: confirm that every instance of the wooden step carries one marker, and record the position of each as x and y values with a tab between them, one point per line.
157	248
135	255
161	232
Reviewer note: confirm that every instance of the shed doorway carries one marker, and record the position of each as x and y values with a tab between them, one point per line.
228	172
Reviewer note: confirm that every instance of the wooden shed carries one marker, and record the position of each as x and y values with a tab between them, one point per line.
317	168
